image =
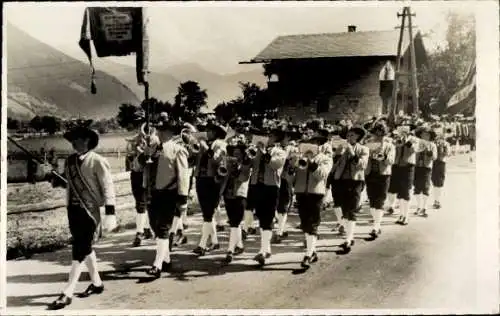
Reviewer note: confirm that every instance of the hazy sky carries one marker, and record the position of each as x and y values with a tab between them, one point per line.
217	36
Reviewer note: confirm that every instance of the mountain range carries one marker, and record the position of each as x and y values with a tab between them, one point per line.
42	80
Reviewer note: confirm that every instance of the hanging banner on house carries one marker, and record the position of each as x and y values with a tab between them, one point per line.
116	31
386	80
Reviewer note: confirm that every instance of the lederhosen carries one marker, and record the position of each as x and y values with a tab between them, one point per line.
335	185
84	216
377	185
163	205
350	190
422	181
207	189
404	175
309	207
266	199
285	196
235	205
439	167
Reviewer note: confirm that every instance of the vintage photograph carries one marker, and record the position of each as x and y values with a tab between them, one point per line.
241	156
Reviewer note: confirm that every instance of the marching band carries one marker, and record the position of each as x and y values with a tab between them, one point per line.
254	172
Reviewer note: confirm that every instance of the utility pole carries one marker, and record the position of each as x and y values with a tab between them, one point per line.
412	74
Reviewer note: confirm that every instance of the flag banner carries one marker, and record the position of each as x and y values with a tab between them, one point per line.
116	31
467	90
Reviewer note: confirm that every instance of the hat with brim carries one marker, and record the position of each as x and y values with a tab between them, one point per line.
81	132
220	130
379	126
425	129
361	132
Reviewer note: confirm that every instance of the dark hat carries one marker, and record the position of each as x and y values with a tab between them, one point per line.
379	126
358	130
220	130
425	129
83	132
163	122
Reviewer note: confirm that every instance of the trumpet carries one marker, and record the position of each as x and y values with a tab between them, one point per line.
191	143
251	152
221	173
303	163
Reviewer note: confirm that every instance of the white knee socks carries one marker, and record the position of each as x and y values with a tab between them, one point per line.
351	225
206	229
311	244
213	233
265	241
247	220
140	221
404	207
233	239
281	223
239	242
437	194
338	214
424	199
74	276
175	225
377	218
162	253
391	200
91	263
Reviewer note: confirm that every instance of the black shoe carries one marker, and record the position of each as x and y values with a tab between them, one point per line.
423	213
284	235
138	240
404	221
347	245
417	212
155	272
306	262
261	258
92	289
200	251
214	247
166	266
252	231
244	235
276	239
341	230
148	233
229	257
314	257
238	251
400	220
61	302
390	211
375	233
219	228
185	226
437	205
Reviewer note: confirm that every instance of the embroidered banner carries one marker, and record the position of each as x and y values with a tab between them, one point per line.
116	31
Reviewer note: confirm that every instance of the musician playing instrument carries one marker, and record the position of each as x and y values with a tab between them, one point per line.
89	187
169	191
403	172
285	196
310	177
425	159
266	176
239	168
135	147
208	188
438	174
350	173
378	173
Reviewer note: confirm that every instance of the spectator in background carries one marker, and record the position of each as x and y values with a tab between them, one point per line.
32	168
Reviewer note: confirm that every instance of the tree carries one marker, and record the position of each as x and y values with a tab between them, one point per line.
13	124
36	123
448	65
51	124
189	100
127	116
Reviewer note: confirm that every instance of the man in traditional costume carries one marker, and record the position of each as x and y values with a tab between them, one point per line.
89	187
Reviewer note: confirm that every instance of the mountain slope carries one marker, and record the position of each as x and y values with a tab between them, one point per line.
44	81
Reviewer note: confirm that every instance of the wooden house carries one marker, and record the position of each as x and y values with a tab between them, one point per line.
335	75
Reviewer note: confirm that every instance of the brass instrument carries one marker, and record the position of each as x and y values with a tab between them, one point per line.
251	152
190	141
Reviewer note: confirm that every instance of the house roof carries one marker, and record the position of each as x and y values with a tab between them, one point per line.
347	44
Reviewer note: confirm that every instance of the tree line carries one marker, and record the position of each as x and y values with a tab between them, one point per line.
53	125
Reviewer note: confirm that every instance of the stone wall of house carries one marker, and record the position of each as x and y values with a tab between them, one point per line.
357	100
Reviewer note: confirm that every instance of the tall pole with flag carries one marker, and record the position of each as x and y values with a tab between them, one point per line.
119	31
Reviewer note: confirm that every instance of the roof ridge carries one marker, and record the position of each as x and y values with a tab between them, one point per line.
336	33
